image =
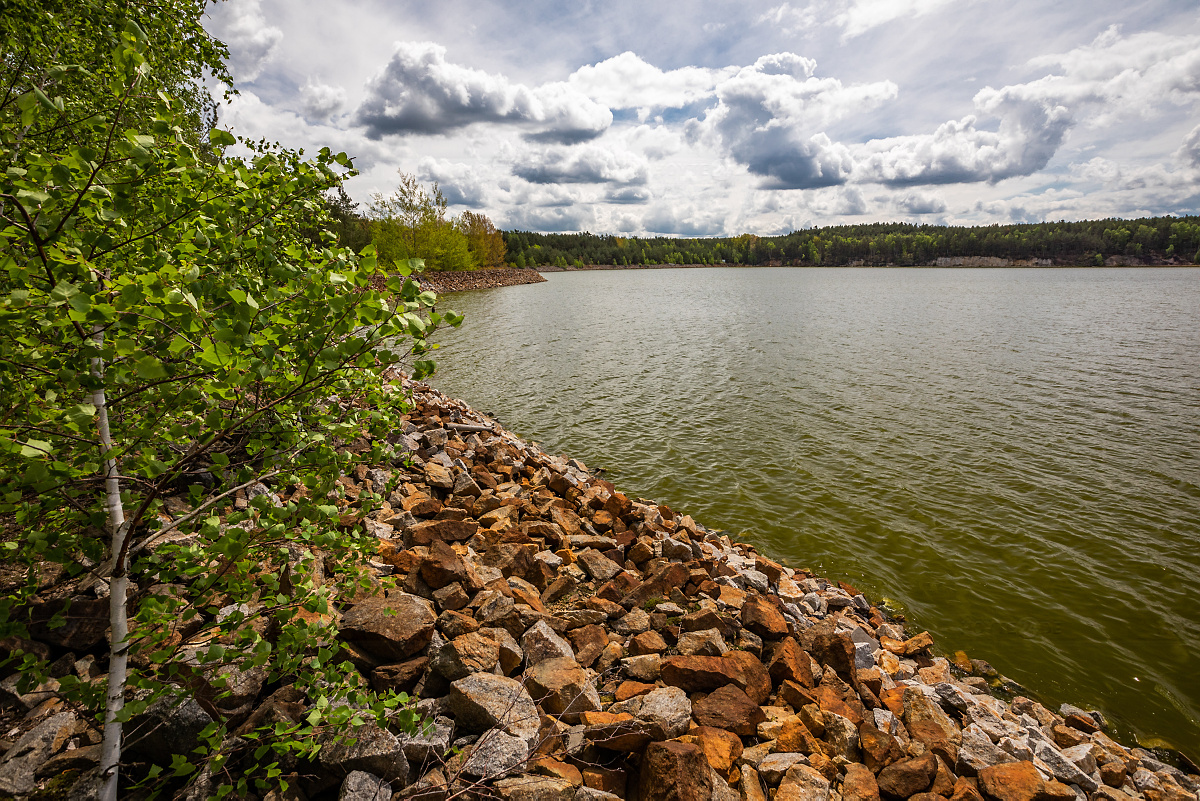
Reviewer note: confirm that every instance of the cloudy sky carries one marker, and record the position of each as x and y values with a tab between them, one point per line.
699	117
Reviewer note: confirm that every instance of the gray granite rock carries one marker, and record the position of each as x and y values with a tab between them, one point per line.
362	786
31	751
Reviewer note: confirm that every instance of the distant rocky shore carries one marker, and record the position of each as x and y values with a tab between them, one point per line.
455	281
570	643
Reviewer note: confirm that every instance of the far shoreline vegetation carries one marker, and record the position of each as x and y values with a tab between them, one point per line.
413	223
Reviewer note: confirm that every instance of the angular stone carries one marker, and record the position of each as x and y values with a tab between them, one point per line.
643	668
362	786
446	530
541	642
588	643
927	723
649	642
774	766
393	627
763	618
859	784
708	642
632	689
791	663
444	566
495	754
484	701
751	785
976	752
803	783
438	476
667	710
431	743
597	565
731	709
658	585
177	724
750	675
454	624
511	655
674	771
535	788
563	688
373	750
31	751
698	673
1013	781
1062	768
841	738
796	737
401	677
721	748
908	777
466	654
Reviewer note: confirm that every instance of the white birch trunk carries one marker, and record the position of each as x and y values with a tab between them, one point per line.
110	755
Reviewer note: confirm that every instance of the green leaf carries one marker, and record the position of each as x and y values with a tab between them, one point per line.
220	138
150	368
81	414
34	448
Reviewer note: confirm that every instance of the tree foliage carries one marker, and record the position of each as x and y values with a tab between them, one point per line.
483	240
171	326
1162	238
412	222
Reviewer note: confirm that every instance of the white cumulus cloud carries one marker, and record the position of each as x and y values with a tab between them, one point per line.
240	24
419	91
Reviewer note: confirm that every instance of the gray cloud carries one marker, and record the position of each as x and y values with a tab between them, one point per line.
683	222
419	92
589	164
769	118
320	101
1190	151
629	195
917	203
240	24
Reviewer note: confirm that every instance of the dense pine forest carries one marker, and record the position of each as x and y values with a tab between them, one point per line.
1152	240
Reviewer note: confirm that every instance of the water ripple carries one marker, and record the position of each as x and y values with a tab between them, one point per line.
1009	455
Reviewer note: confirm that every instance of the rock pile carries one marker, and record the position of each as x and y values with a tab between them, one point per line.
569	642
478	279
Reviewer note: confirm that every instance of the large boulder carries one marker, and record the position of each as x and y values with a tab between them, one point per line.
803	783
859	784
541	642
763	618
484	701
675	771
31	751
790	662
367	748
908	776
393	627
1013	781
666	711
496	754
535	788
466	654
730	709
363	786
563	688
697	673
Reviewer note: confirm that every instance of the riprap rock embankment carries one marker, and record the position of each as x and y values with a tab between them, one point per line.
570	643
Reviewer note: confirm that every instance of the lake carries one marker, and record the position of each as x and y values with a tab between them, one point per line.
1010	456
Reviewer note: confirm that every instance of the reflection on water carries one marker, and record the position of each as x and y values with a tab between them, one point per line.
1010	455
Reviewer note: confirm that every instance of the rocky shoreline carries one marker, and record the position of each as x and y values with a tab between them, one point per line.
441	282
569	643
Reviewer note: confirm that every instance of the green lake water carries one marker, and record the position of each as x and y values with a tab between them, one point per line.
1011	457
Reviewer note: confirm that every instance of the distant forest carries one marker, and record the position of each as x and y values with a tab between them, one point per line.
1152	240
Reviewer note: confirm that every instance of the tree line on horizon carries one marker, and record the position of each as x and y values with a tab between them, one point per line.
1168	240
